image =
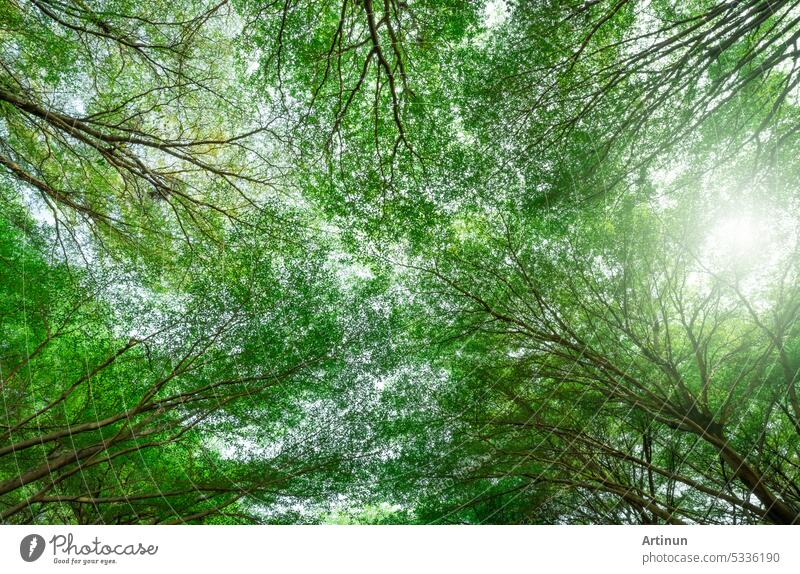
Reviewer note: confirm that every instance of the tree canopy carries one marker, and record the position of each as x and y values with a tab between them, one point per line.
409	261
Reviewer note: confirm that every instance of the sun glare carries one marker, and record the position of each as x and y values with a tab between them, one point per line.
750	245
737	237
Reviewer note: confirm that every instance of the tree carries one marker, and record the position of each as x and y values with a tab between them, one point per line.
609	357
129	125
386	262
125	409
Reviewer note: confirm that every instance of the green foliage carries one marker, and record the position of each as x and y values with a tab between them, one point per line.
399	262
